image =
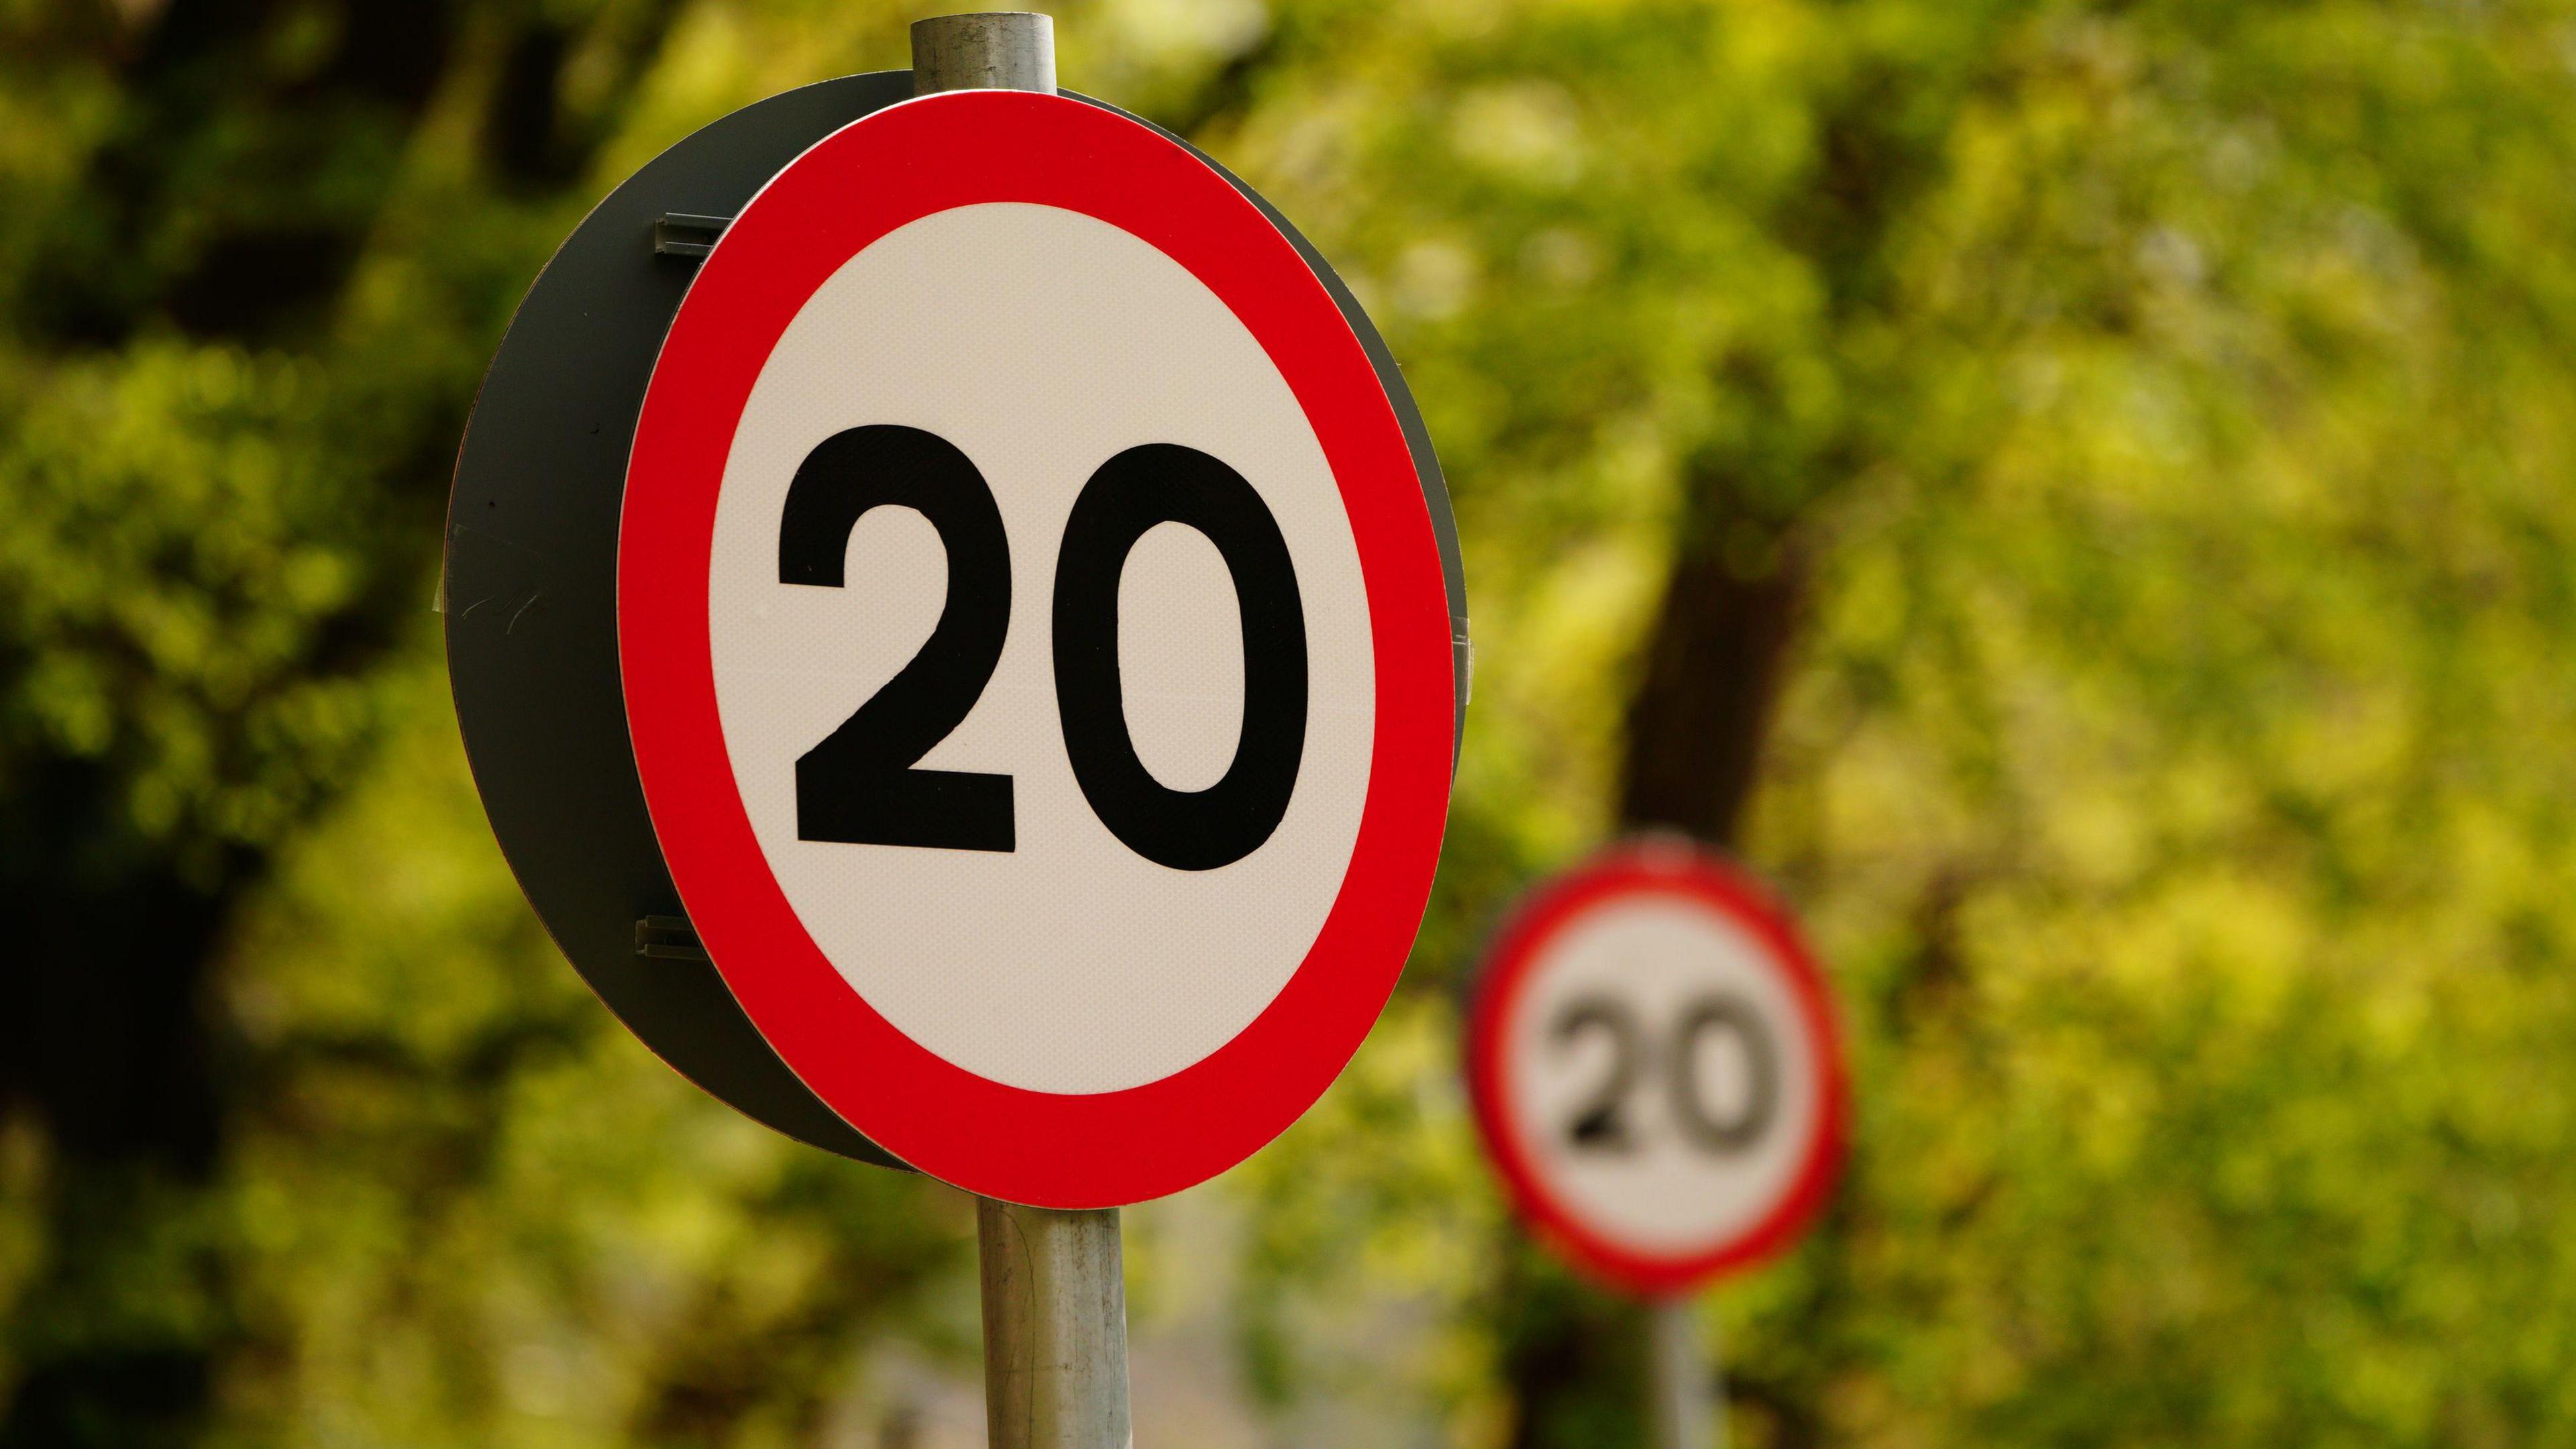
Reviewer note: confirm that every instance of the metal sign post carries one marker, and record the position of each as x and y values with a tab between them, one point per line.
1055	1327
1011	50
1055	1290
1685	1408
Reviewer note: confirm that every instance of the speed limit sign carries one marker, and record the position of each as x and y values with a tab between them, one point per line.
957	627
1036	647
1656	1070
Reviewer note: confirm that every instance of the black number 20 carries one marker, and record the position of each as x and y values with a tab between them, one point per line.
1601	1123
861	784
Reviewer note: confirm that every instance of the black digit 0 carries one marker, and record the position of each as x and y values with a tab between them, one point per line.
1599	1126
858	785
1743	1128
1132	492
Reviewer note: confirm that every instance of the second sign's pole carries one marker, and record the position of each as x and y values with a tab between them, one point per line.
1055	1292
1682	1409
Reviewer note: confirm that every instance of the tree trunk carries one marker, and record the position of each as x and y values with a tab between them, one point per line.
1703	702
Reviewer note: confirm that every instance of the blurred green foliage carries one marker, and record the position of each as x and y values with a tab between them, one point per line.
2153	424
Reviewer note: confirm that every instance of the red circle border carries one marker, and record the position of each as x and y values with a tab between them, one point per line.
1046	1149
1672	868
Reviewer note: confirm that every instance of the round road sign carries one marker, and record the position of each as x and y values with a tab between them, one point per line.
1036	647
1655	1068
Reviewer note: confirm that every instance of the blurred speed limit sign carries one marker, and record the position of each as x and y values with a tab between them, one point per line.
1037	647
1656	1070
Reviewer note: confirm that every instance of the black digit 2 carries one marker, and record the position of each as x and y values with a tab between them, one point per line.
1736	1132
1132	492
859	785
1598	1125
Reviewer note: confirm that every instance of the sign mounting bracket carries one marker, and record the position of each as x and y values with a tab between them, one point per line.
679	234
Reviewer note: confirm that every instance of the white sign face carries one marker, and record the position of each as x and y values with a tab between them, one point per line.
1655	1070
1036	648
1106	345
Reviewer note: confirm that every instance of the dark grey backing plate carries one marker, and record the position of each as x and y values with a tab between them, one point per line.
532	597
531	587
